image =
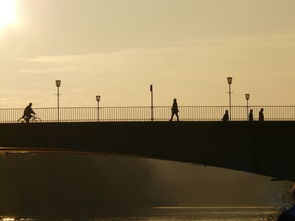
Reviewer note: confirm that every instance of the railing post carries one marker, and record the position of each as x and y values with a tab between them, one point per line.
58	82
152	103
97	111
58	104
229	81
247	96
229	102
247	109
98	100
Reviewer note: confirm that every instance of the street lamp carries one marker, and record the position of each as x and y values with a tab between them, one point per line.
229	81
247	96
57	83
97	99
152	102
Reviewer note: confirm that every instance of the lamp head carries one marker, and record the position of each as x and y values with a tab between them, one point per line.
97	98
151	88
229	80
57	82
247	96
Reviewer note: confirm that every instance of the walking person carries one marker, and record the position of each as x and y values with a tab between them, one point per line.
225	116
250	117
261	115
174	110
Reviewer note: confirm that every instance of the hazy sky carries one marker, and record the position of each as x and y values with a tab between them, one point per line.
116	49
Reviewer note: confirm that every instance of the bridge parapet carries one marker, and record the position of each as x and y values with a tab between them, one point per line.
143	113
264	148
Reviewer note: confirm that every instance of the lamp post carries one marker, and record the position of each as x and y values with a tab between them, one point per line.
152	102
97	99
247	96
57	83
229	81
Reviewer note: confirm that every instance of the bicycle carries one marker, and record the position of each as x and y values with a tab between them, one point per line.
33	119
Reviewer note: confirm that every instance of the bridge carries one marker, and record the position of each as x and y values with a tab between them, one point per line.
265	148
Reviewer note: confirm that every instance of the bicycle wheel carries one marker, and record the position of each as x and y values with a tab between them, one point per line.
21	120
36	120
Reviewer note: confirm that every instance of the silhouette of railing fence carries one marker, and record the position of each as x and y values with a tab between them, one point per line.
161	113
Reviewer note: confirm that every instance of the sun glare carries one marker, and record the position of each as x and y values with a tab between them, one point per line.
7	12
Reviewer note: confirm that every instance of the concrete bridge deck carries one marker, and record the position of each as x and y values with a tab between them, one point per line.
265	148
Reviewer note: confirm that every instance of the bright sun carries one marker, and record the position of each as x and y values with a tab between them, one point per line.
7	12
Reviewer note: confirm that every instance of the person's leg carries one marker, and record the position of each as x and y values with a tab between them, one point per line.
29	117
177	116
172	114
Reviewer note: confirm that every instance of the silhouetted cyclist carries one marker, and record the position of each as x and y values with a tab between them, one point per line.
225	116
28	112
174	110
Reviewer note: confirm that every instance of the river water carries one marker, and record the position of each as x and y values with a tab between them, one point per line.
100	188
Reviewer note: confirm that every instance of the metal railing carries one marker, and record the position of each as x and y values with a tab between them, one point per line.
161	113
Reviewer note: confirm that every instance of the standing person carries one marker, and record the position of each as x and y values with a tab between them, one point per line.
225	116
261	115
250	117
28	112
174	110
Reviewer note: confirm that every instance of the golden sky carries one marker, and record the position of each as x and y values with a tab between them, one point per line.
116	48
